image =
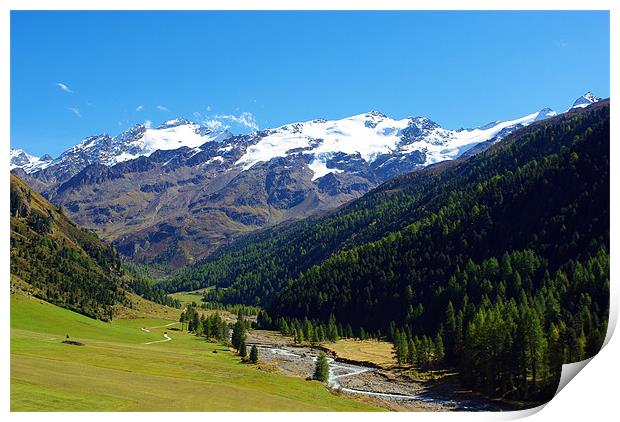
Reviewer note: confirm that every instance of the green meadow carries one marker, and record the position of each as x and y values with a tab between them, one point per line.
188	297
116	371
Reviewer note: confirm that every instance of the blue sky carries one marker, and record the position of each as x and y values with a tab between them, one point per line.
265	69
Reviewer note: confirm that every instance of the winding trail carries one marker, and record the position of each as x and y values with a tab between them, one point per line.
166	336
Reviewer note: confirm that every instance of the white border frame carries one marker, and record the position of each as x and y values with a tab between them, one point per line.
591	396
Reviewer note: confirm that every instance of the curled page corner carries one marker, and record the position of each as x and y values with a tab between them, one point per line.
519	414
569	371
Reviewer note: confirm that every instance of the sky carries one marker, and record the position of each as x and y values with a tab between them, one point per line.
76	74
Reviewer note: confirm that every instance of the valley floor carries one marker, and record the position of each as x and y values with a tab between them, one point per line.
130	365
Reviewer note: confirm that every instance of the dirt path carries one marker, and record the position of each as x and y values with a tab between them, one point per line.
166	336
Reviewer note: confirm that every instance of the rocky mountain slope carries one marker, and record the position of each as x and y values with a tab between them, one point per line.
172	194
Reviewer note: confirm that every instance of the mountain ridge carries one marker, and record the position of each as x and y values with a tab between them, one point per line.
245	270
175	205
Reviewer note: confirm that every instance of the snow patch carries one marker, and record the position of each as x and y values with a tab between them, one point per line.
27	162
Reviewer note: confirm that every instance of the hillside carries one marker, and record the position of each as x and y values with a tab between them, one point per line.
56	260
509	247
59	261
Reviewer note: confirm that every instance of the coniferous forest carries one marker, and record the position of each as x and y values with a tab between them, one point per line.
497	264
68	265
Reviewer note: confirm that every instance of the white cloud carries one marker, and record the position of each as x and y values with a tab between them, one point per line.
64	87
214	124
75	111
162	108
246	119
196	115
140	108
147	124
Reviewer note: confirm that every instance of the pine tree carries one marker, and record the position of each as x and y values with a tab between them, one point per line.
321	369
308	331
349	330
332	329
243	349
400	347
182	320
238	333
450	330
195	321
321	333
535	343
439	349
412	352
207	328
362	334
427	348
315	337
254	354
198	329
284	328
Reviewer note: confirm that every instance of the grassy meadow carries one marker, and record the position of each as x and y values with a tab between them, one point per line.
187	298
380	353
116	371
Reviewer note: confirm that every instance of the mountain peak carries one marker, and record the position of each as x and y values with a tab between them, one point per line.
585	100
545	113
29	163
376	113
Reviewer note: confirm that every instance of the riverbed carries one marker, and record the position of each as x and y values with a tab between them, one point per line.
373	384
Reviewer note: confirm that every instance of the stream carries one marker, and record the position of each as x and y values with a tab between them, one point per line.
357	379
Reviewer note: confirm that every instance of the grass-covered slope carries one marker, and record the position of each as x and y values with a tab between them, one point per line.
59	261
115	371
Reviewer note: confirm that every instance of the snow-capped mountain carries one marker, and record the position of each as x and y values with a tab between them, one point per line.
135	142
545	113
373	135
141	141
585	100
174	192
29	163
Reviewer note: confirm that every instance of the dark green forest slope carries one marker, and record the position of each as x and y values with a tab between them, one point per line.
504	256
64	264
